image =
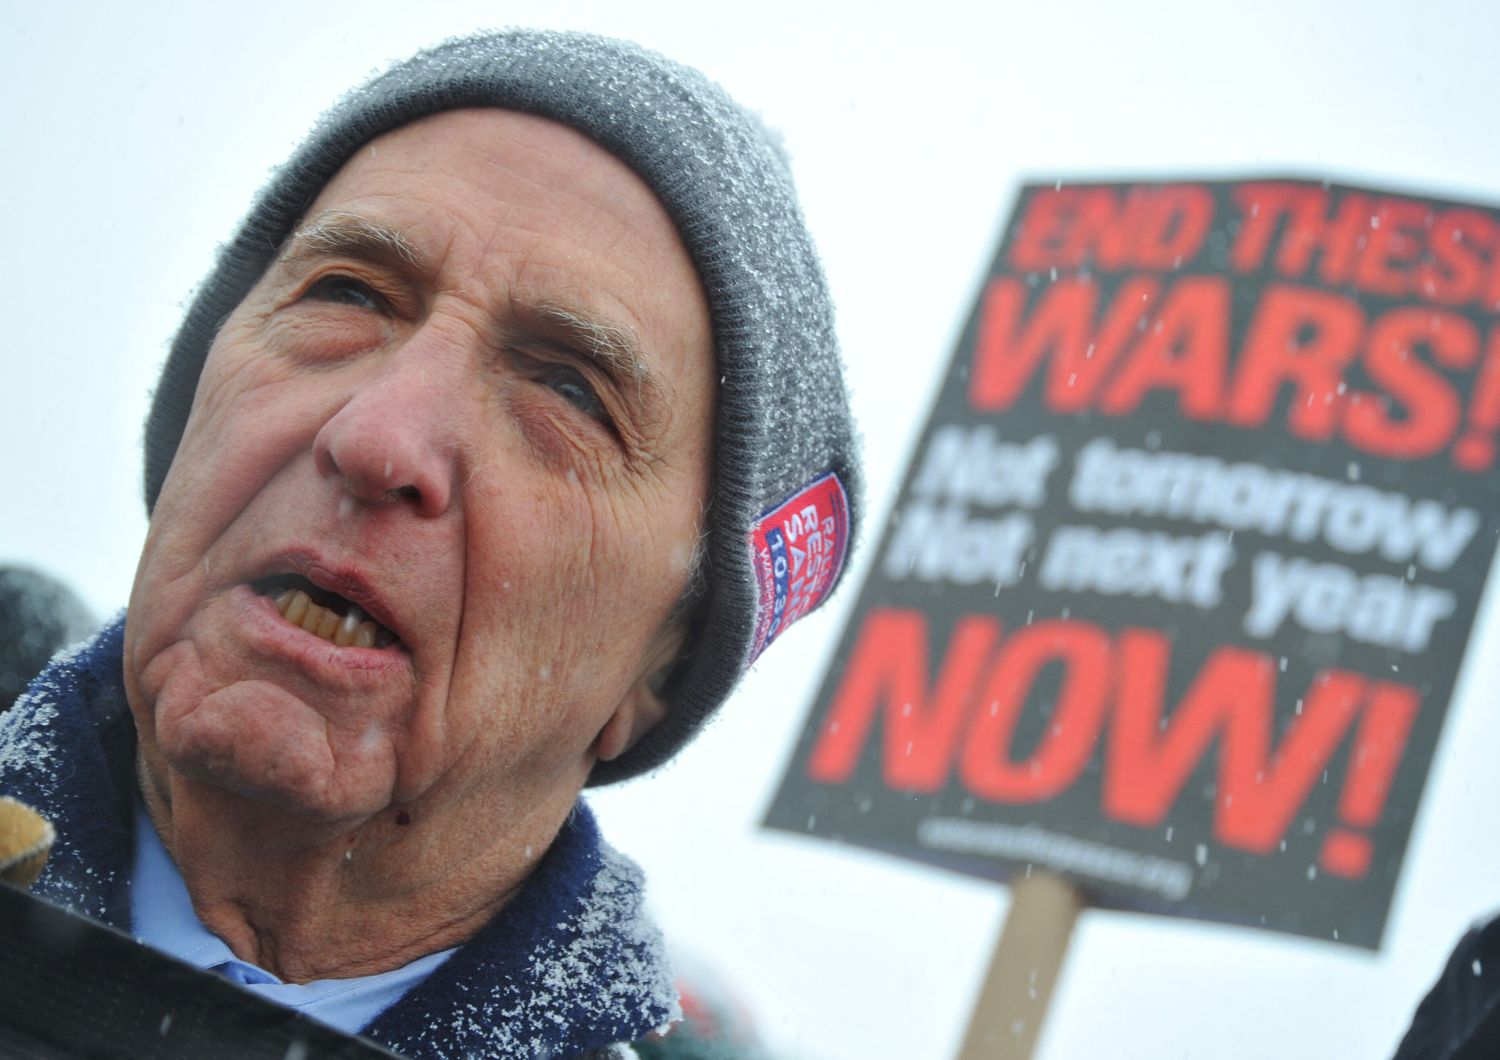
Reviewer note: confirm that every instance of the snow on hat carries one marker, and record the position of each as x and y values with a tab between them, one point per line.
787	482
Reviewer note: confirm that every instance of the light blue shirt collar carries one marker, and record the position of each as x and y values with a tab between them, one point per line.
162	916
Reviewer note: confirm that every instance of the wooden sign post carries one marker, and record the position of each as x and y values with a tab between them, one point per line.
1013	999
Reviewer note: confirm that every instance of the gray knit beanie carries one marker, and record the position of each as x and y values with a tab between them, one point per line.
787	482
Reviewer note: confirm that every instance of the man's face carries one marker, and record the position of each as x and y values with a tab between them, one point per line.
472	397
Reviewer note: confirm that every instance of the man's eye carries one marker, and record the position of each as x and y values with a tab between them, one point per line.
570	384
345	290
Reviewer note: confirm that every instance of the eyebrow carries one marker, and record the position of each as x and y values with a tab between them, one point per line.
613	347
334	232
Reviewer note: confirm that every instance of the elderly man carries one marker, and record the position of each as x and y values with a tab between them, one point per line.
508	430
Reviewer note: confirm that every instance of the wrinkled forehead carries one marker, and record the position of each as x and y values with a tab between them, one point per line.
512	145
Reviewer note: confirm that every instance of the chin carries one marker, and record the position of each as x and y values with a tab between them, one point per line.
274	751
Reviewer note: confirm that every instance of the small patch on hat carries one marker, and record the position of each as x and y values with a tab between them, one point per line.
797	549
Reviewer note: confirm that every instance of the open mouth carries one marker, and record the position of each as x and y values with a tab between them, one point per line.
323	613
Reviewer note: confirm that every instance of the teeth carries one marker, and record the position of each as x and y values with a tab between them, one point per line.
312	619
326	627
344	635
351	630
296	607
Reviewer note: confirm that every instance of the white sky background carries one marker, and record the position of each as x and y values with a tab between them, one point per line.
134	135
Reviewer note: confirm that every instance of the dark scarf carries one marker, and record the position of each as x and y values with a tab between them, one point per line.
571	964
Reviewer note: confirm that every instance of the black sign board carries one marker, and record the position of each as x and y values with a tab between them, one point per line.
71	988
1179	580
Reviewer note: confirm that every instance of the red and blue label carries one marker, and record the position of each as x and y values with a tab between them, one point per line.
797	549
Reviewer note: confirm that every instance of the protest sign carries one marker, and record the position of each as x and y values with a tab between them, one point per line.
1180	577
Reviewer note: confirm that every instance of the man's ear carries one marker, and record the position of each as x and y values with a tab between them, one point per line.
642	706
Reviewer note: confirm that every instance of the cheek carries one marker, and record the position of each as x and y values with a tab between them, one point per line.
558	598
593	565
245	427
565	587
251	420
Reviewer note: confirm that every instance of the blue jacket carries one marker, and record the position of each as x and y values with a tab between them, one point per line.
570	965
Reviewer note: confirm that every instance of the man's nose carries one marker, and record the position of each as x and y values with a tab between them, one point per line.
393	440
